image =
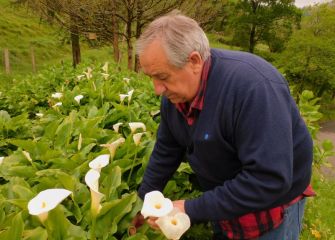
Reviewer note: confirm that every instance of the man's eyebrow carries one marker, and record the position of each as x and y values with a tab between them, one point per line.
157	74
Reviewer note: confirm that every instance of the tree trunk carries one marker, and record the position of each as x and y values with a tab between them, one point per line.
76	56
6	61
115	26
130	46
252	41
139	26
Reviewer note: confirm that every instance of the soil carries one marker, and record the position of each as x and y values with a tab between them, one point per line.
327	131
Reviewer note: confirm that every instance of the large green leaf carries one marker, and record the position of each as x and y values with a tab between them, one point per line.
15	230
112	212
38	233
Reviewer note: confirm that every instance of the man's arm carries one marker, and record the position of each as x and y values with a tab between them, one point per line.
164	160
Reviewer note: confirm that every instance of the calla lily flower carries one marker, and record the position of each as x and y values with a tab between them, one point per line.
105	67
130	94
135	125
79	77
99	162
88	73
137	138
1	160
39	115
46	201
27	155
57	95
92	181
126	80
105	75
113	146
116	126
154	113
58	104
122	97
80	141
174	225
156	205
78	98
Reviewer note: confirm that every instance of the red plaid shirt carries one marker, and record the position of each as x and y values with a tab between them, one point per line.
190	111
251	225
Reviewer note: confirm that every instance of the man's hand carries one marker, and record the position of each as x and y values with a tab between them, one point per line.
152	223
137	222
180	204
139	219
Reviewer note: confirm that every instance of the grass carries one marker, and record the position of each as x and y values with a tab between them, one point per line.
21	31
320	210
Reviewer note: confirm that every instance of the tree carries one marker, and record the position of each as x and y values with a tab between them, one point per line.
309	59
267	21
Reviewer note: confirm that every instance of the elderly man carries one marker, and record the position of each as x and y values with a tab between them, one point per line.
232	115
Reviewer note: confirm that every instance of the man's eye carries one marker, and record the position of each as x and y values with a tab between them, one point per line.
162	77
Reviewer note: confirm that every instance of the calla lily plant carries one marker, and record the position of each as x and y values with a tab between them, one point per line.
45	201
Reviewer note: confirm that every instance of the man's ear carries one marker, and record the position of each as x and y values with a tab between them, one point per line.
196	61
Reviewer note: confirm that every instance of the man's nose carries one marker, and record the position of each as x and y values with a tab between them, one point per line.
159	87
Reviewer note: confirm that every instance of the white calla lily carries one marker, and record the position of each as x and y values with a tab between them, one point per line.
174	225
116	126
137	138
80	141
156	205
130	94
105	75
127	80
45	201
113	146
1	160
57	95
135	125
105	67
154	113
122	97
88	73
99	162
79	77
58	104
92	181
78	98
27	155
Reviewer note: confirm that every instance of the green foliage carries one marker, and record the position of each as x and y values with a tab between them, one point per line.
309	59
264	21
309	109
319	214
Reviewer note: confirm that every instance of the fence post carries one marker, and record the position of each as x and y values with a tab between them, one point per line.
6	61
33	62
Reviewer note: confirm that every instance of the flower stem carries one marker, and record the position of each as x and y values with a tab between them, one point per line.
132	166
94	220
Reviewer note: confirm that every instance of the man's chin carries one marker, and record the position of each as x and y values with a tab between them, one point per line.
176	100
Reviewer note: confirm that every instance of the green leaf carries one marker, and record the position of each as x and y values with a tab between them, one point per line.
112	182
23	192
327	145
16	229
35	234
112	212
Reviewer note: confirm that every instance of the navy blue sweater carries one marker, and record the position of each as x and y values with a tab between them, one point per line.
249	147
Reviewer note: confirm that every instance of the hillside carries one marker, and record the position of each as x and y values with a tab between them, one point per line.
21	30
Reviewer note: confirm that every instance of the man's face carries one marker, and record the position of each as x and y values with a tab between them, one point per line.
179	85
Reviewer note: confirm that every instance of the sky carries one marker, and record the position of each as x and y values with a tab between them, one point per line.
303	3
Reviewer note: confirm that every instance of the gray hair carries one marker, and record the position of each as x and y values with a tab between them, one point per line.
180	35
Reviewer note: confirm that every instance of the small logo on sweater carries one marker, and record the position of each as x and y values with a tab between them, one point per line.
206	136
